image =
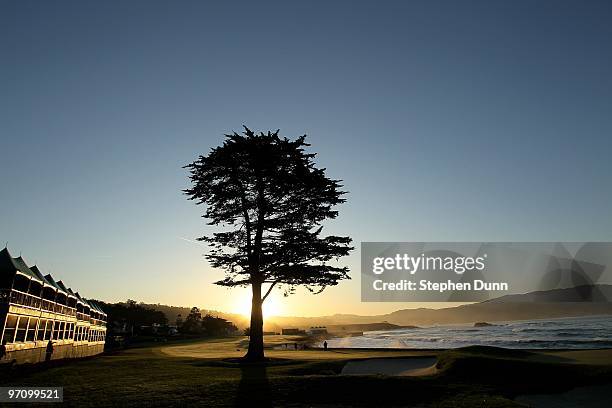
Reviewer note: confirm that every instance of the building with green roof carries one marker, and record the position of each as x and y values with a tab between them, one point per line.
42	319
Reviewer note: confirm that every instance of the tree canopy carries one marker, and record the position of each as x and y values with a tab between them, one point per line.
268	191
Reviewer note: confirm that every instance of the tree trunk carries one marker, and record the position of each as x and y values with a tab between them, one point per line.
256	350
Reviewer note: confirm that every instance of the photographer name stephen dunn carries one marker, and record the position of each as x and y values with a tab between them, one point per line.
429	286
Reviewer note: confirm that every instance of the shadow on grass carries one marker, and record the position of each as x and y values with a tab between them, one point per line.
240	363
254	389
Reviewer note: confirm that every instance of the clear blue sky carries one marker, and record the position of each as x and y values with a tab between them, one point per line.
472	120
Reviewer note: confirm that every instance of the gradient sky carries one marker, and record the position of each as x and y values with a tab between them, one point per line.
470	121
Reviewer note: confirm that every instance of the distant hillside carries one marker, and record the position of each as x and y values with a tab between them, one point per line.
584	300
583	293
497	311
579	301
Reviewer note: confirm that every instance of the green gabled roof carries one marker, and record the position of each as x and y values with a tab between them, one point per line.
23	268
38	273
100	309
94	307
79	298
8	264
53	283
65	289
82	300
86	302
97	307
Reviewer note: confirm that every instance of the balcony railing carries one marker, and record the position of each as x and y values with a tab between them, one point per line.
24	299
97	322
34	302
48	305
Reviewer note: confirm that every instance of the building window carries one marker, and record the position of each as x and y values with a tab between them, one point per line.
9	329
60	334
55	330
31	335
22	325
48	329
40	333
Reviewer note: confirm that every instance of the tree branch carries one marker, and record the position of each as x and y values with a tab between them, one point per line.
269	290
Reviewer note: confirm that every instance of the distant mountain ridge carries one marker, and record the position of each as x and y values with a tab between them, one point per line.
582	293
584	300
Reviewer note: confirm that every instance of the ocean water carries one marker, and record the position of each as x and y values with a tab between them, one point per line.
566	333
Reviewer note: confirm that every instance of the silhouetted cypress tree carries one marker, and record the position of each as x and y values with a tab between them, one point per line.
269	199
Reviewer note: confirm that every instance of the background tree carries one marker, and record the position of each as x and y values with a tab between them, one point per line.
129	316
193	322
217	326
269	200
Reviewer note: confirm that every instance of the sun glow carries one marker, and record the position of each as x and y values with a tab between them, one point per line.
271	307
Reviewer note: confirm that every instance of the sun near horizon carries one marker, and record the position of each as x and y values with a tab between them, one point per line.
238	301
242	306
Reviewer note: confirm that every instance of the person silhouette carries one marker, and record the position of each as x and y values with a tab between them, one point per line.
325	345
295	346
49	351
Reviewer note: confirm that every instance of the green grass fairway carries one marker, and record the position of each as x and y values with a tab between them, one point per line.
225	348
206	373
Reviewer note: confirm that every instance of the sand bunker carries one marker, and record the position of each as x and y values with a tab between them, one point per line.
414	366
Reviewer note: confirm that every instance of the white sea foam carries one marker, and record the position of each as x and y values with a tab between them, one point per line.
566	333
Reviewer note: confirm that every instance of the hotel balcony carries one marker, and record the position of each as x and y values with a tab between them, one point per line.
15	297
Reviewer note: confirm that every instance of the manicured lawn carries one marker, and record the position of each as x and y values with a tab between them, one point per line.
205	373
